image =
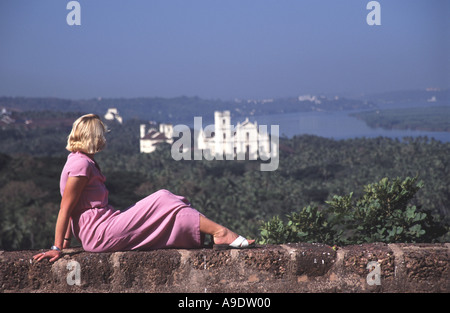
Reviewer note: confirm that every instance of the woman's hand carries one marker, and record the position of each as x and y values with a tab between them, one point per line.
53	255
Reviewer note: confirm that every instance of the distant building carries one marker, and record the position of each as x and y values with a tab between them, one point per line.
113	115
5	117
243	141
310	99
432	99
149	139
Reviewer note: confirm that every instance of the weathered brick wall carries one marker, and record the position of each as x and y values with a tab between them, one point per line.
295	268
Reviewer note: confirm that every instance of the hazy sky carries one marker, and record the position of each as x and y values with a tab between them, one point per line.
221	49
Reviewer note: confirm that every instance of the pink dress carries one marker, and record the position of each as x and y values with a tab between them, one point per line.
161	220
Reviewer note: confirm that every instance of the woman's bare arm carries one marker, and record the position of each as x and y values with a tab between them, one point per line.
72	192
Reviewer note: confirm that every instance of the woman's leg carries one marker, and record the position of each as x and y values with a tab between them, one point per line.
221	234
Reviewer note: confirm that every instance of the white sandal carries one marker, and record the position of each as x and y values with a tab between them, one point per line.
239	243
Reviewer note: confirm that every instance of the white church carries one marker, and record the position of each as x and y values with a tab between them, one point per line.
244	141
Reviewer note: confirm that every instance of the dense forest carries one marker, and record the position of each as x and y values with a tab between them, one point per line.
312	172
314	175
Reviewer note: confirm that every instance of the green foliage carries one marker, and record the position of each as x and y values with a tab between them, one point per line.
381	214
26	219
236	193
309	225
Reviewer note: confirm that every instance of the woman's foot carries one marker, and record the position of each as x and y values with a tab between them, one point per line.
224	237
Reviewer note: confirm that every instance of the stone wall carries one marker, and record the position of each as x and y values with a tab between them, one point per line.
290	268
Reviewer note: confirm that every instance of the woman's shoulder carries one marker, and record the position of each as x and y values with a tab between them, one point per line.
78	164
78	157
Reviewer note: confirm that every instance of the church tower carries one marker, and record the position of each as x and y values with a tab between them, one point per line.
223	134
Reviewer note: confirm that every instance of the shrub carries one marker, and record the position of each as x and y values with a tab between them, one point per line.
381	214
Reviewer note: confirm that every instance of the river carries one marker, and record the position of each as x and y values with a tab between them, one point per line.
335	125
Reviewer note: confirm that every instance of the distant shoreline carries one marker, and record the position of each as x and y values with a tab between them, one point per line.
435	118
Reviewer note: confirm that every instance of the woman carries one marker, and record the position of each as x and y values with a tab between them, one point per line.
161	220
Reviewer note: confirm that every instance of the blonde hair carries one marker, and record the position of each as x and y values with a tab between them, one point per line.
87	135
